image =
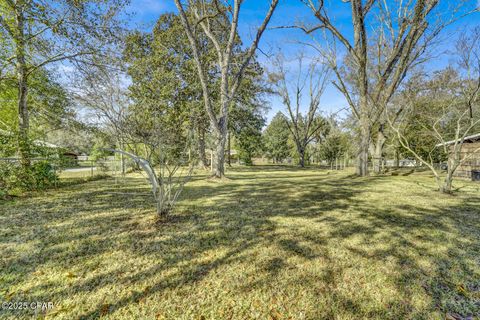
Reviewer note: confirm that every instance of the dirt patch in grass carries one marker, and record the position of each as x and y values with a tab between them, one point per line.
269	243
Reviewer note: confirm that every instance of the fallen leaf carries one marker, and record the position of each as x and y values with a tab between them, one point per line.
105	309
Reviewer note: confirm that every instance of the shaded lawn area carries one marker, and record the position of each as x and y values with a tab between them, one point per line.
270	243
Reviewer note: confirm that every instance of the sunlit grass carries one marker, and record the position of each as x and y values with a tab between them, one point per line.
269	243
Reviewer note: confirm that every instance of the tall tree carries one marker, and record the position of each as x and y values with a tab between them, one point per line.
446	108
335	144
38	33
402	32
162	70
205	15
291	86
275	138
247	130
50	109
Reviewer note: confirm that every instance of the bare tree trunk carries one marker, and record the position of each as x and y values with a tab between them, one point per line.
453	162
23	120
122	157
362	157
446	187
219	159
397	157
23	116
228	88
406	45
201	148
378	150
301	155
229	158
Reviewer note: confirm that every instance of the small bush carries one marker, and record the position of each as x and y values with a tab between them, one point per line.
43	175
14	178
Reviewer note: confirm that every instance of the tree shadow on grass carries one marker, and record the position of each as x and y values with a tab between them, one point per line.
248	213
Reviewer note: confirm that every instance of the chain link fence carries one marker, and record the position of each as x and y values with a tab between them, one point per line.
69	168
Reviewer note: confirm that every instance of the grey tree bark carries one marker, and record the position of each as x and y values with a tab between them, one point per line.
22	78
397	48
164	189
201	148
230	80
302	127
377	149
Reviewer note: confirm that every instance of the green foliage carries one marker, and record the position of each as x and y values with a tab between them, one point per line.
8	143
49	109
435	109
247	130
164	90
43	175
50	106
13	178
65	161
34	37
98	150
275	139
247	143
334	146
8	110
167	98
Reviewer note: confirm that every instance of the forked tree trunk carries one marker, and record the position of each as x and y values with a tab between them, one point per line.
165	197
446	186
230	81
301	155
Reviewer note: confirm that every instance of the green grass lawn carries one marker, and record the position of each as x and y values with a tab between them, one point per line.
269	243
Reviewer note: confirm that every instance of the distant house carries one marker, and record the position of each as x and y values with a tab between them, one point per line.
82	157
470	168
401	163
72	155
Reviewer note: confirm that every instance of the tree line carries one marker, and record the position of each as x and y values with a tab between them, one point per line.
192	84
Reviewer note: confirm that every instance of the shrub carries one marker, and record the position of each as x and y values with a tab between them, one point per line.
43	175
14	178
8	178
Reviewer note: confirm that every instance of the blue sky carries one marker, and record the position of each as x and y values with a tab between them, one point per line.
146	12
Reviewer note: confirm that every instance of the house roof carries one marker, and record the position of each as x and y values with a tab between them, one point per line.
472	138
70	153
